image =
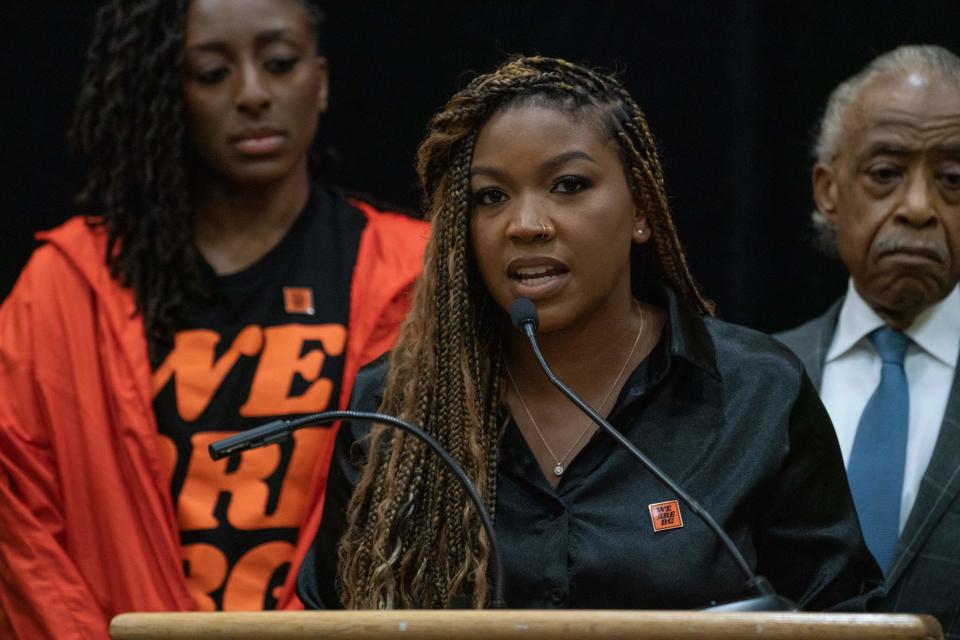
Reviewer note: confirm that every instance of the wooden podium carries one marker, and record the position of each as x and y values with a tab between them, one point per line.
523	624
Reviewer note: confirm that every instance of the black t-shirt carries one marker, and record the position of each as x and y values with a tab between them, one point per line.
269	344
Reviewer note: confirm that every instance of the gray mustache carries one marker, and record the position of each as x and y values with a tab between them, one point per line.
896	244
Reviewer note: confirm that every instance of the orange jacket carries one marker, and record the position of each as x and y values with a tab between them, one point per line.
87	526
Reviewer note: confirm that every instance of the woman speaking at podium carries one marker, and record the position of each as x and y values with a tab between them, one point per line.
543	182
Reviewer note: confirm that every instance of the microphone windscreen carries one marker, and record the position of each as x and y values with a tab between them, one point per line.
523	311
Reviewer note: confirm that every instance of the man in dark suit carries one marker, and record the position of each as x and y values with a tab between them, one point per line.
887	188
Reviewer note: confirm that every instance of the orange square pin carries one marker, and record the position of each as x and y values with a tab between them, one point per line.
665	515
298	300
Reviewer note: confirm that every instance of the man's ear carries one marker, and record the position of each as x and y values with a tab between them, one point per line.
323	90
825	190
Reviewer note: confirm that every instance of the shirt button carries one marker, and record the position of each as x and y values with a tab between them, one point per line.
557	596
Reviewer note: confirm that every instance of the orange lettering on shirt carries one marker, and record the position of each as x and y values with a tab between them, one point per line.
196	373
292	507
206	479
246	588
282	360
206	569
168	457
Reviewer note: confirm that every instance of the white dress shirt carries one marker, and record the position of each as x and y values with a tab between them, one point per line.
851	373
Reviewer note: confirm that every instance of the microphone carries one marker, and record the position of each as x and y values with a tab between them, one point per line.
280	430
524	316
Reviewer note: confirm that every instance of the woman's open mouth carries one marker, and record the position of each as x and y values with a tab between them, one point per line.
537	277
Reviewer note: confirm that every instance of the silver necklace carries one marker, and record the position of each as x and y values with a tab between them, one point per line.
559	467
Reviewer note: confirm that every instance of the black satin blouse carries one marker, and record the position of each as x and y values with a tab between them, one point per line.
728	413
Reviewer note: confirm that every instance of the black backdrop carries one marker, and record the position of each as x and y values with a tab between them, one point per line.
732	91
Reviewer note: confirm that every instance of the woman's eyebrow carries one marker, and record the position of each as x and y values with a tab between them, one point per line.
561	159
262	38
551	164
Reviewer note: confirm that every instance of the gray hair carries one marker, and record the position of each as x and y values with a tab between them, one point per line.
925	58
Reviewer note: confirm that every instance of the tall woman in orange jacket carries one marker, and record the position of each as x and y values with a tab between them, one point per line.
212	283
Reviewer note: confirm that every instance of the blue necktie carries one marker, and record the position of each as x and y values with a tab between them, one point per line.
879	450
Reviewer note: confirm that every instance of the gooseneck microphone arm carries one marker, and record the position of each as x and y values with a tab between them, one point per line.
280	430
524	315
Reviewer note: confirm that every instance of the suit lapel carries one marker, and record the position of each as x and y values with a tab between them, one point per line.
822	337
938	488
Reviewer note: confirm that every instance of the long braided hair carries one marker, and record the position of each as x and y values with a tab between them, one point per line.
412	538
129	124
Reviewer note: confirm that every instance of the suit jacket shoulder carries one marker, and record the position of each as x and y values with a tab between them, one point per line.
811	340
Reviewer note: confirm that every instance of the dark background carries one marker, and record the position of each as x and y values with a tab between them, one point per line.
733	91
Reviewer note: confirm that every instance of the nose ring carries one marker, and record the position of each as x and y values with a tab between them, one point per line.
543	230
